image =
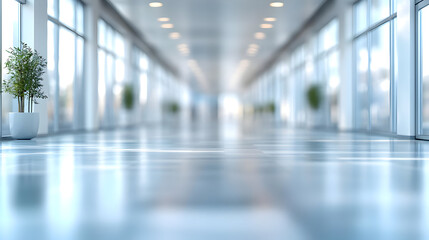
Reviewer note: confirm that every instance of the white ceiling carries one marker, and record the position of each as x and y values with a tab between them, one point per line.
218	33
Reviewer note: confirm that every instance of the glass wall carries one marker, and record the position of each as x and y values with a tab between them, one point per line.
66	64
374	65
140	67
314	62
10	28
423	70
111	74
327	61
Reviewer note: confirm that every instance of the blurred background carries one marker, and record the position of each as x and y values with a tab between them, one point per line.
220	119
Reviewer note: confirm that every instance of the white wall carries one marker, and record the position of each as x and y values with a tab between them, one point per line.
406	116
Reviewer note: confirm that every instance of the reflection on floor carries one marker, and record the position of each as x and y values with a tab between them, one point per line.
218	182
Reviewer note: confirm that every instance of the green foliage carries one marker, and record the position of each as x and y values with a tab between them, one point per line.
25	69
128	97
270	107
315	96
172	107
265	108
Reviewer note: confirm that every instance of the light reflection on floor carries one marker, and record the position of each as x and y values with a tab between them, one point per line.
217	182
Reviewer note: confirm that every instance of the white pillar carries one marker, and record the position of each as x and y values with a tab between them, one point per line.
34	30
406	65
346	68
92	120
1	74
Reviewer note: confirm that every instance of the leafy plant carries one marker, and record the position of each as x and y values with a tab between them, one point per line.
315	96
25	70
128	97
173	107
270	107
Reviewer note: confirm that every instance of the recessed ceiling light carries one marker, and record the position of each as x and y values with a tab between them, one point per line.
266	25
182	46
270	19
260	35
174	35
276	4
164	19
252	51
253	45
167	25
155	4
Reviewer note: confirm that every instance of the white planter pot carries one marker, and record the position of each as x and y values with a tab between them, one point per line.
24	126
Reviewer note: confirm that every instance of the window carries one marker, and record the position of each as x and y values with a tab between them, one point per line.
65	65
314	62
10	38
140	69
374	65
328	72
111	74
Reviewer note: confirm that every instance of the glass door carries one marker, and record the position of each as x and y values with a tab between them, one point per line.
423	70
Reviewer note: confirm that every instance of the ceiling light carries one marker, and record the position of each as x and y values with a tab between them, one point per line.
164	19
155	4
174	35
252	51
182	46
167	25
244	62
266	25
260	35
270	19
276	4
253	45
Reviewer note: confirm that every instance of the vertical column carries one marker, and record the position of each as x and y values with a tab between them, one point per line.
1	73
91	71
34	32
406	116
346	66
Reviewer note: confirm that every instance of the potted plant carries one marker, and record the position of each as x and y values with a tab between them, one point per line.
25	68
128	97
270	107
314	96
173	107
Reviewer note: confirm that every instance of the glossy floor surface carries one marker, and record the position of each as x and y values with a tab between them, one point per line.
218	182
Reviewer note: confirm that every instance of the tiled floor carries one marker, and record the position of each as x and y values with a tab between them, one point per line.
218	182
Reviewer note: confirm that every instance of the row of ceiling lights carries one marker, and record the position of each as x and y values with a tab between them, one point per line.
183	47
253	48
268	23
251	51
165	23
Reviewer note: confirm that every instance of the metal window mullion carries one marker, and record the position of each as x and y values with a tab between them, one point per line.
82	81
392	79
376	25
354	86
57	77
56	21
368	77
76	122
419	102
57	9
418	68
19	23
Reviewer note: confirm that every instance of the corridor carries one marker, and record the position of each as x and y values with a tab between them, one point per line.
214	181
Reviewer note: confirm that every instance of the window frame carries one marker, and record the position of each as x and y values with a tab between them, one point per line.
370	28
16	44
78	116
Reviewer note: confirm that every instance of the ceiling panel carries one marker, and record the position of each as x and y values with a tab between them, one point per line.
218	33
